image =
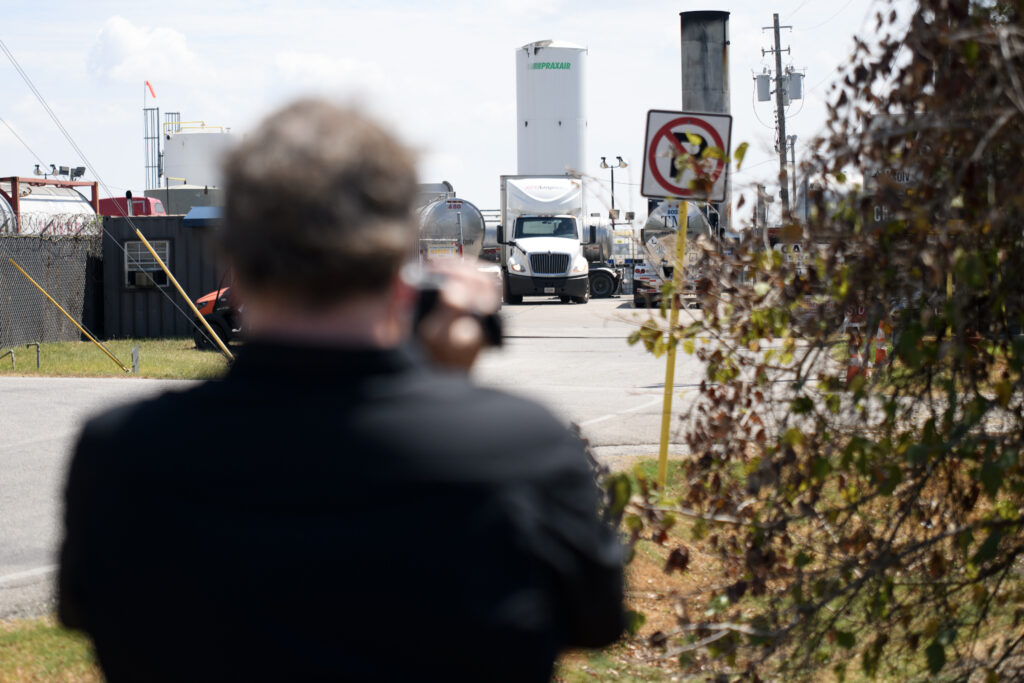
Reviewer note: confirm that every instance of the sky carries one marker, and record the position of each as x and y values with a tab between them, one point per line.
441	75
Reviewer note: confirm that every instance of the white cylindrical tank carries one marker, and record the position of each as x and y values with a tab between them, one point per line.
550	112
195	156
453	219
49	210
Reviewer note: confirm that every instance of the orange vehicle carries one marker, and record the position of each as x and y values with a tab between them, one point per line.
220	311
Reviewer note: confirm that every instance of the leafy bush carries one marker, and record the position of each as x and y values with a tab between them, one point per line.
870	519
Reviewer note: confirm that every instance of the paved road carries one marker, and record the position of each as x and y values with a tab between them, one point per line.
39	419
574	358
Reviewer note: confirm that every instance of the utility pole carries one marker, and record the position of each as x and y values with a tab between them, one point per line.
780	110
792	156
788	86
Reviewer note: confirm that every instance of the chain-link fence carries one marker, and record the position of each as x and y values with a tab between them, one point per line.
68	268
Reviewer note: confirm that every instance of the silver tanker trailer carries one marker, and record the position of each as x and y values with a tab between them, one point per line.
449	226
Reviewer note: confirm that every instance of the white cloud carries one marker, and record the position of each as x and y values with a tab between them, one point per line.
124	52
320	72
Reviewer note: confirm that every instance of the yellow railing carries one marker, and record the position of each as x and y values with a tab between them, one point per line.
180	126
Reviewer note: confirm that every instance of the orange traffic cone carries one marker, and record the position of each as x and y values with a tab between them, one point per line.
881	355
856	365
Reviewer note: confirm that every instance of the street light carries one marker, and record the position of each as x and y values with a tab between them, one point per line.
622	164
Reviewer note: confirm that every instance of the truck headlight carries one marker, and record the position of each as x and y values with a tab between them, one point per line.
514	266
580	266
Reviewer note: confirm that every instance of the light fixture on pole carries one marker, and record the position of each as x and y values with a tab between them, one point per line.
622	164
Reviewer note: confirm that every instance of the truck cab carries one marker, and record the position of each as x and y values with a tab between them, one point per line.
545	258
542	239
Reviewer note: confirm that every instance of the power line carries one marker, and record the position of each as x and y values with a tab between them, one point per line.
798	7
847	4
25	144
89	165
753	106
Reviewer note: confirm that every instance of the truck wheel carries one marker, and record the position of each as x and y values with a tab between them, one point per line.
601	285
506	292
204	342
586	295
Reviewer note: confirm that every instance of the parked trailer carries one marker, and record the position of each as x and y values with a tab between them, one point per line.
657	248
450	227
604	279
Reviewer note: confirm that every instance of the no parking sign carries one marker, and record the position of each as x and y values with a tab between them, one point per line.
675	142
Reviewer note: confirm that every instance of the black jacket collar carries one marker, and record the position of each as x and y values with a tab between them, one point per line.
265	358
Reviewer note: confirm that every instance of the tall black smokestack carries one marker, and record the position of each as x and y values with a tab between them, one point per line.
705	62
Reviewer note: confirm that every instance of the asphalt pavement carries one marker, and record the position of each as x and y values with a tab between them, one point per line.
572	357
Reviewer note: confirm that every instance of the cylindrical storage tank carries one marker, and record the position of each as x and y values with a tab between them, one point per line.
550	112
194	157
49	210
490	235
453	219
665	219
8	221
601	250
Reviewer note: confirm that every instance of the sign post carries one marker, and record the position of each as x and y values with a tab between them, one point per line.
686	156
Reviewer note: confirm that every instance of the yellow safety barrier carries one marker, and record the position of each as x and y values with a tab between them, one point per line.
75	322
174	281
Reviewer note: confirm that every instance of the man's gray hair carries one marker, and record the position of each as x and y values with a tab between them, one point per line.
319	205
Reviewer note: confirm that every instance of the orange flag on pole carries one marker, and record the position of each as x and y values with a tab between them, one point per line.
150	86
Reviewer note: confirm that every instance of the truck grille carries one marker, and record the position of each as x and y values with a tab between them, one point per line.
549	263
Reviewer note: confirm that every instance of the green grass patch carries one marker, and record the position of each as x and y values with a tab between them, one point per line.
40	650
158	359
675	480
610	664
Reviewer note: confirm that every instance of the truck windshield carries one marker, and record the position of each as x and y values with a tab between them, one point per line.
536	226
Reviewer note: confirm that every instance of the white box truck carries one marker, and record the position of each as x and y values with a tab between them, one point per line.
542	234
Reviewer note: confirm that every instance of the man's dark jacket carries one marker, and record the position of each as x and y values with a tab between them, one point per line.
335	515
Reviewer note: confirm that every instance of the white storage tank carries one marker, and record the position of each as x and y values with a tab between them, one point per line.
193	155
550	112
47	210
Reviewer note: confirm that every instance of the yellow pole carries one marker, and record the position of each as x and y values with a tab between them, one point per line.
678	280
223	348
949	299
75	322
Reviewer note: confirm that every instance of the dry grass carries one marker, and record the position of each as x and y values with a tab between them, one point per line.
158	359
38	651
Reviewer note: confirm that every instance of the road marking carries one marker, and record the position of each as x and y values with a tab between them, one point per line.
28	573
609	416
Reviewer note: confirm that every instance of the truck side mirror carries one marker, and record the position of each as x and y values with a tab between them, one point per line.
499	235
593	234
630	215
643	236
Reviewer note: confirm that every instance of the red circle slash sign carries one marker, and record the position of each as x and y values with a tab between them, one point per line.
666	132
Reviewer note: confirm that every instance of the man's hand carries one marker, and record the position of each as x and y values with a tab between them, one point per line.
452	332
